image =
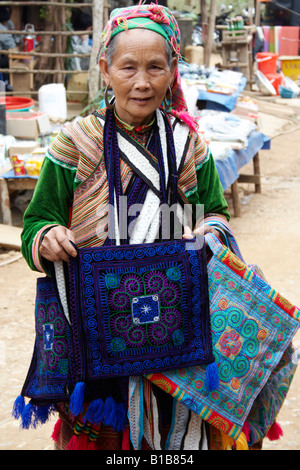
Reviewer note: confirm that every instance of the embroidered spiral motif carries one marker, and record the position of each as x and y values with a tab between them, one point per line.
60	326
172	319
235	316
52	362
178	337
118	344
218	321
170	296
59	348
132	284
158	334
87	257
119	255
108	255
136	336
173	274
118	300
120	323
251	347
240	366
41	318
88	280
52	311
139	253
87	268
116	369
225	370
112	280
155	281
150	251
89	290
223	304
249	329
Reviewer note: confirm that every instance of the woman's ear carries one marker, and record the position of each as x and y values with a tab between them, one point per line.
104	70
173	69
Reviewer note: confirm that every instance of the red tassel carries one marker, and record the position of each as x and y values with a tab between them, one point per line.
56	430
92	446
275	432
125	440
78	442
83	442
74	443
246	430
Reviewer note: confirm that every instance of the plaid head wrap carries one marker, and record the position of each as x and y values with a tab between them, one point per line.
159	19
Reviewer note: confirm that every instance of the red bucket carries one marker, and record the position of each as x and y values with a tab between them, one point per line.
276	79
17	103
267	62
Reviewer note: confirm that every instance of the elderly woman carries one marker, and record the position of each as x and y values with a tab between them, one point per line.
145	125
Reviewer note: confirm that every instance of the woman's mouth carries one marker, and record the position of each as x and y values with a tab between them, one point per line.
141	100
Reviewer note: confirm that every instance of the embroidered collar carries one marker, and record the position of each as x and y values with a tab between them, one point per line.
139	129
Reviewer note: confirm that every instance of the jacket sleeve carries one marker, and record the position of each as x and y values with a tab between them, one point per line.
210	191
50	206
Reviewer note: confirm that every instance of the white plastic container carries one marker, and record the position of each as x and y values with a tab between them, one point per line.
53	101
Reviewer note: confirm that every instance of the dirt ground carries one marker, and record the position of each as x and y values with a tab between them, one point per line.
268	233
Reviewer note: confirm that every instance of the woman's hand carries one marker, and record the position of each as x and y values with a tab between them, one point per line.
56	244
188	234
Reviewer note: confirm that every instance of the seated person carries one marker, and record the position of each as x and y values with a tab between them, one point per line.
7	41
81	44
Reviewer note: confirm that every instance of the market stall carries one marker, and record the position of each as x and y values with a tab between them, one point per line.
228	121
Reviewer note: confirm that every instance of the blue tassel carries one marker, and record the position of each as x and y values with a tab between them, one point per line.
120	419
94	414
27	416
18	407
42	414
212	380
109	415
77	399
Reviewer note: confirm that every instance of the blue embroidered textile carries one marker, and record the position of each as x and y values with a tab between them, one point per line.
139	308
48	372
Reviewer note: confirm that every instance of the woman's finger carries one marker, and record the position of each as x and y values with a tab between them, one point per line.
56	245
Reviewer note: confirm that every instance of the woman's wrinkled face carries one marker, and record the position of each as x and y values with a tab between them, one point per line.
139	74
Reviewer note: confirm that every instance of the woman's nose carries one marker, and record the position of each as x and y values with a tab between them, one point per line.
141	80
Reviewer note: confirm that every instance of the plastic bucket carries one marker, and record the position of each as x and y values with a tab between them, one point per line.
287	92
17	103
276	79
267	62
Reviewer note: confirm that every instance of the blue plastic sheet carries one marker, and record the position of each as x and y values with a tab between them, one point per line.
228	168
220	102
11	175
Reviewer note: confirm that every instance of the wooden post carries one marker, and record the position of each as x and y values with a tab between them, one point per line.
210	33
236	199
94	71
203	7
5	202
257	13
251	6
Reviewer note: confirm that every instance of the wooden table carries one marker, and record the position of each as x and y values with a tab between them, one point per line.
7	187
254	178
